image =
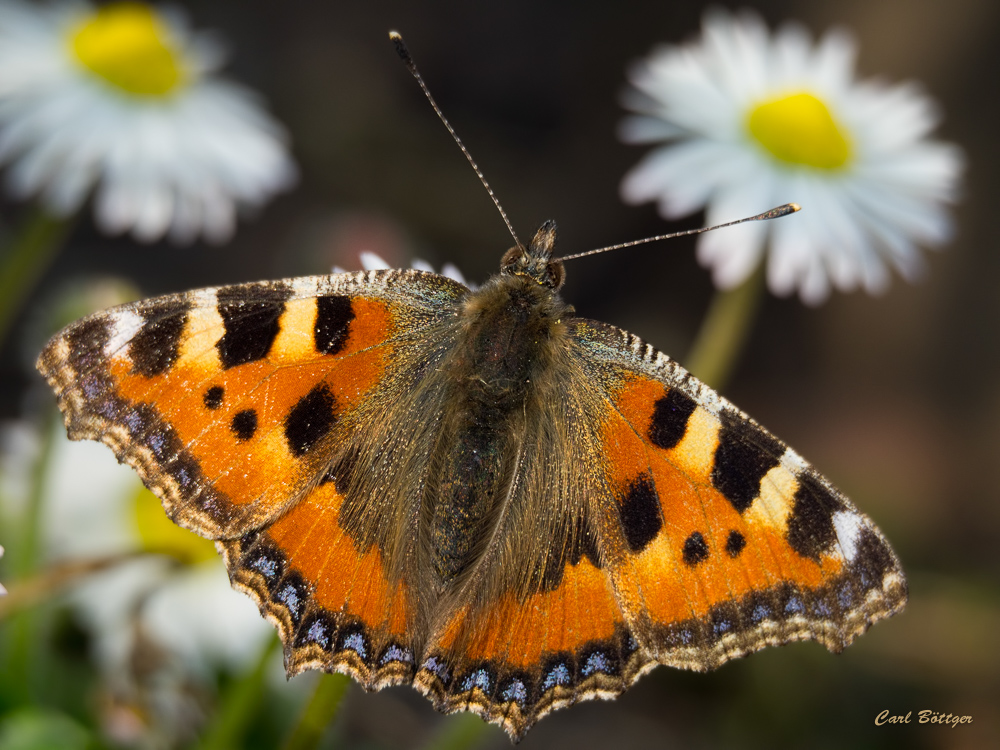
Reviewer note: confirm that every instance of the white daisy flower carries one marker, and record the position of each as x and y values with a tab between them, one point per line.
121	101
753	120
2	589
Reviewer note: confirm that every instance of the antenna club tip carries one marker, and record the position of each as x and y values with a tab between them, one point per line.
776	213
397	39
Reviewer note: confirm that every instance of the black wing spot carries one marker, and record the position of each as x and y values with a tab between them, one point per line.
251	316
212	398
640	513
873	560
155	348
744	456
333	317
86	343
695	549
735	543
670	418
582	543
310	420
810	524
244	424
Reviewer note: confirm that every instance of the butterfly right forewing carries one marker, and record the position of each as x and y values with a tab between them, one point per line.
734	542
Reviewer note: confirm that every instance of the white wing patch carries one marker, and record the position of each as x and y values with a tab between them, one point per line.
848	525
126	324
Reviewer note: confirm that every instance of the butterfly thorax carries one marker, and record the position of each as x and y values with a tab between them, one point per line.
512	330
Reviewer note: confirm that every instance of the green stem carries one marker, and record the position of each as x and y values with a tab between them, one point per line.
724	331
23	262
23	653
239	704
319	713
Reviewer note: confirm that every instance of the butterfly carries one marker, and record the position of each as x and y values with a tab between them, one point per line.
477	493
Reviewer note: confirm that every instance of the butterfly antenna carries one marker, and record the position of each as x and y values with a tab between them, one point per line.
404	54
774	213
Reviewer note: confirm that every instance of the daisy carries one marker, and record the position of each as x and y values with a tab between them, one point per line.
754	119
121	101
2	589
94	507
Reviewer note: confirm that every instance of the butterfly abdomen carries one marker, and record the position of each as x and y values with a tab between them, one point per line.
512	333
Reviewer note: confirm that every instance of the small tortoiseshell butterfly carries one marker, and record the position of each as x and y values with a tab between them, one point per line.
473	492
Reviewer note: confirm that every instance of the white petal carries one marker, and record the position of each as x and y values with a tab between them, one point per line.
450	270
789	253
419	264
833	61
815	287
201	618
789	56
153	214
647	130
373	262
682	177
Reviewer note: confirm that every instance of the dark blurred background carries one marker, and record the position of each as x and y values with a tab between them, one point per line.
896	399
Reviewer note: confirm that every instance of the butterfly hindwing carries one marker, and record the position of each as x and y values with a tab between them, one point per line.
330	594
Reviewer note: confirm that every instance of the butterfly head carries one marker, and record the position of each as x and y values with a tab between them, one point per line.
535	262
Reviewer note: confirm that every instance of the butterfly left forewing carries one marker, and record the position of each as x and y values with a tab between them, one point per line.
227	401
733	542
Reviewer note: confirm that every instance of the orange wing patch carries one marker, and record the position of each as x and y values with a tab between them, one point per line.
331	599
240	423
519	633
224	400
514	660
733	542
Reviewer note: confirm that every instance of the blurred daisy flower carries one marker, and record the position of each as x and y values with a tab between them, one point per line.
178	596
753	120
2	589
163	619
374	262
121	100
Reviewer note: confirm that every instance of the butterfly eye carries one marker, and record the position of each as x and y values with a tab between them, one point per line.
555	274
512	259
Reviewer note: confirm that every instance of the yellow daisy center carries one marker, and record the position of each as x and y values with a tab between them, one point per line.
128	46
161	535
799	129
